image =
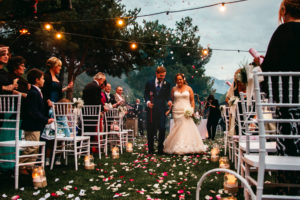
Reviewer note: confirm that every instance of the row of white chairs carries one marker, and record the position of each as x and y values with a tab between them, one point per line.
254	150
65	118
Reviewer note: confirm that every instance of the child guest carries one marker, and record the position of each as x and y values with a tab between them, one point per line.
35	113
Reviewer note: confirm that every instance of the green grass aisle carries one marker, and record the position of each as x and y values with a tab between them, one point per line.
133	176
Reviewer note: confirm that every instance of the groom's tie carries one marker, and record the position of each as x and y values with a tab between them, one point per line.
158	87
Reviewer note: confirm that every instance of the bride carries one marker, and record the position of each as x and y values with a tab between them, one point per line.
184	137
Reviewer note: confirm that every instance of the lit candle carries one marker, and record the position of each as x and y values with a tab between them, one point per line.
214	154
89	162
129	147
115	152
230	183
224	163
36	178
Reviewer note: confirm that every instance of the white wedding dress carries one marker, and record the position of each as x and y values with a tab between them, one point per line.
184	137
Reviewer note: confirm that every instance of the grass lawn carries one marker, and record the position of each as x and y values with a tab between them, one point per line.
133	176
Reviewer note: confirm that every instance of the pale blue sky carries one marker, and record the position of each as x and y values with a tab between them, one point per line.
244	25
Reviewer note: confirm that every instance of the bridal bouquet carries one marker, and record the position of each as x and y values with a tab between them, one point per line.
188	112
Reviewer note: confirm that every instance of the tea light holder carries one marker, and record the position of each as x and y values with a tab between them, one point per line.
89	162
38	177
230	183
115	153
129	147
224	163
214	154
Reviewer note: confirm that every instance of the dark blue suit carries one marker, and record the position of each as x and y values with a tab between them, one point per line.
156	118
35	117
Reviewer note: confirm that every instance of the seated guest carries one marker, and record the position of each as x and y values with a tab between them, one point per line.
35	114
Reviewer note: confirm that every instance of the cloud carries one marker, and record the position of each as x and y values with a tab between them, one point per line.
242	26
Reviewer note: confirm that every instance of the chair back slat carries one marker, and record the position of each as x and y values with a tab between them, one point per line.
90	118
10	106
270	88
280	88
65	118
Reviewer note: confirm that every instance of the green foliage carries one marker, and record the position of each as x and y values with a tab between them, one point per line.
179	52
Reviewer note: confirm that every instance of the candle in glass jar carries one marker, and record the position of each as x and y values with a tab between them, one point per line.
129	147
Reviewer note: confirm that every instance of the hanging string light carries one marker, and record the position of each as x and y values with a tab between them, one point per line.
58	36
222	8
120	23
133	46
24	31
48	26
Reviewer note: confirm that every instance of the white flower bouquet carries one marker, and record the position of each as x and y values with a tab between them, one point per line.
78	103
188	112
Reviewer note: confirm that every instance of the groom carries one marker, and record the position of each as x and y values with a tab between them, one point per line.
157	96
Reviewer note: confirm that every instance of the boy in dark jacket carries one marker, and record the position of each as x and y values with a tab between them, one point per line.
35	113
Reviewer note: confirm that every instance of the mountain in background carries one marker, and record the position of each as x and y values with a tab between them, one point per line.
220	86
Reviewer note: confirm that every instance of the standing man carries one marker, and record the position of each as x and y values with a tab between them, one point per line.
92	91
121	101
138	110
157	96
110	97
92	95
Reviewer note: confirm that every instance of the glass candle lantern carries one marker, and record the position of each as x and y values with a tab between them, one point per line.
230	183
36	178
115	152
129	147
214	154
89	162
224	163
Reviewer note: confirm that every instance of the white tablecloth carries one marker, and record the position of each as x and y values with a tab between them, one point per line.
201	127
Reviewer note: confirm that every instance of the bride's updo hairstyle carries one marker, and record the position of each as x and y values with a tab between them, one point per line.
182	76
291	7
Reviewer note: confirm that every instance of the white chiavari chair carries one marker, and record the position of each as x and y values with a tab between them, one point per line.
65	120
10	115
284	93
90	122
114	125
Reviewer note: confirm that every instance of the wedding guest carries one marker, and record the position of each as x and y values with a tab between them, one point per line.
53	91
238	85
6	87
213	116
283	55
109	96
121	101
92	91
16	68
138	110
36	114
